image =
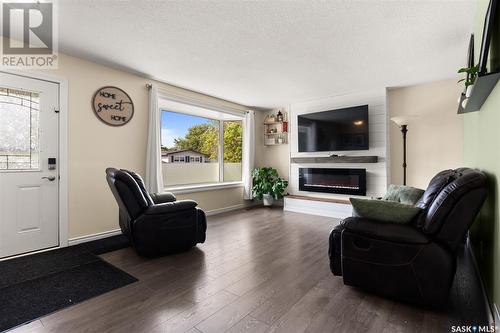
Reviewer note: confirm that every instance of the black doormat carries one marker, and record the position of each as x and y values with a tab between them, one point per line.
42	283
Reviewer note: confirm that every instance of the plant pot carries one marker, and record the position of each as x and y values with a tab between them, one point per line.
464	103
268	200
468	91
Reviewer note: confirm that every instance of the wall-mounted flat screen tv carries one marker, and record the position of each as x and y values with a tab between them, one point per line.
489	61
334	130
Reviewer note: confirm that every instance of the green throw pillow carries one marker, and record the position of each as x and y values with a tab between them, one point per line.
384	211
404	194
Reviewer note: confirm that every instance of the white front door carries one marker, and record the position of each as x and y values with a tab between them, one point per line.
29	164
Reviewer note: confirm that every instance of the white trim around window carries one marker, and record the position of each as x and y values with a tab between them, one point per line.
209	103
206	109
202	187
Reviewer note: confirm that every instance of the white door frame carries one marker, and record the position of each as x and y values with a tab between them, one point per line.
63	148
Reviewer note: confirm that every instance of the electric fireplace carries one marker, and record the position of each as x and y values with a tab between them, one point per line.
340	181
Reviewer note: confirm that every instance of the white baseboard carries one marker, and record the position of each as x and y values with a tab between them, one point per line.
92	237
496	316
490	306
226	209
322	208
100	235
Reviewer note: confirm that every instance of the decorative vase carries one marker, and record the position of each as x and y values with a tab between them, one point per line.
279	117
268	200
468	91
464	102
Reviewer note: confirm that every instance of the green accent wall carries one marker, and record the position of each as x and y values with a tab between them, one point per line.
482	150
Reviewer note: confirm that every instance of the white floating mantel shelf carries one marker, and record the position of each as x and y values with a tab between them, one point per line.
336	159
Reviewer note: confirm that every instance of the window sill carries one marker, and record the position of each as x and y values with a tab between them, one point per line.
202	187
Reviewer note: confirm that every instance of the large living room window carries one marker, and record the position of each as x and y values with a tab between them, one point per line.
200	147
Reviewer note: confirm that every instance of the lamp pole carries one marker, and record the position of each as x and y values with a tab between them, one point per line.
402	122
404	130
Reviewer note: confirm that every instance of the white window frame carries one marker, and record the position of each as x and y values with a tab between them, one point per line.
167	102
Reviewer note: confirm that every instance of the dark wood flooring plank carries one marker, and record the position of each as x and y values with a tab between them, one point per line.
405	318
338	310
83	314
277	306
193	330
260	270
435	322
229	315
35	326
302	313
192	316
371	315
248	324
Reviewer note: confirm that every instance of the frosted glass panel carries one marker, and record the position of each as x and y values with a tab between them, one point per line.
19	129
233	150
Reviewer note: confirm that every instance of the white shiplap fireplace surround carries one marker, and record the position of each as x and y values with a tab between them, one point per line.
376	173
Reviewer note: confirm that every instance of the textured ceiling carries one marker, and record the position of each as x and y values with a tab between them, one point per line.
272	53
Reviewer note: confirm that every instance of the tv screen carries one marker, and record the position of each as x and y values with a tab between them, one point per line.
489	60
334	130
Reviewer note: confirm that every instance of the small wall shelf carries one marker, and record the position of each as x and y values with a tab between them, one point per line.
336	159
275	133
482	89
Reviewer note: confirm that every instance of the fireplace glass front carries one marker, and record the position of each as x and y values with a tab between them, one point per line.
340	181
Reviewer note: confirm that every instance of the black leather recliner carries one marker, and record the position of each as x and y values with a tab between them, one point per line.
155	224
415	262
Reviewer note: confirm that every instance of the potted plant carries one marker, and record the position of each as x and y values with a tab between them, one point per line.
267	185
471	75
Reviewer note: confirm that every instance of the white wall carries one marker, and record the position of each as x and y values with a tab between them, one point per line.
94	146
277	156
435	135
376	173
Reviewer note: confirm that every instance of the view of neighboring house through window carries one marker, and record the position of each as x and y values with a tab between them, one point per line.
192	146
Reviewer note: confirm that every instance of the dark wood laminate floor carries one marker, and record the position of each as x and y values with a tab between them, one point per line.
260	270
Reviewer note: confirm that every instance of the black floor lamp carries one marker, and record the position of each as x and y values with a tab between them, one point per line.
402	122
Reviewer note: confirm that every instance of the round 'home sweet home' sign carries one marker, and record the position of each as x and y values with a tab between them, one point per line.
113	106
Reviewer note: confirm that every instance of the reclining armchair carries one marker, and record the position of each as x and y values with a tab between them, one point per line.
155	224
412	262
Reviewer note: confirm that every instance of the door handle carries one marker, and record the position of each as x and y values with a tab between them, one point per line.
50	178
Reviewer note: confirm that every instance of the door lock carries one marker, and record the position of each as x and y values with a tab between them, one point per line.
50	178
52	163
